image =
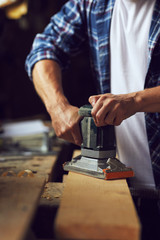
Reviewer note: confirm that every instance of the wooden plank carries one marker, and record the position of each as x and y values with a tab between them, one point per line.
96	209
52	194
18	202
47	210
41	166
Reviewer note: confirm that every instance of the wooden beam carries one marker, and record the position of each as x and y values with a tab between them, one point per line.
41	166
52	194
96	209
18	203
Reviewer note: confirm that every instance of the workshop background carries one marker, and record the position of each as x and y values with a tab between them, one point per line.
18	99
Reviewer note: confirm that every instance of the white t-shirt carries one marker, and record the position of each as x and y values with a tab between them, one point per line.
130	27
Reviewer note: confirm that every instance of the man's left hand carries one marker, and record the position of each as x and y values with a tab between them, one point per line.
110	109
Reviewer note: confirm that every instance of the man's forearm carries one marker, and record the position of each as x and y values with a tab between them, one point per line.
48	83
65	117
148	100
113	109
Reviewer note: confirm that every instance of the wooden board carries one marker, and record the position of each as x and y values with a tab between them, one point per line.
18	202
52	194
41	166
96	209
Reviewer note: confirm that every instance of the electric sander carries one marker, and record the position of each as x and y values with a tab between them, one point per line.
98	151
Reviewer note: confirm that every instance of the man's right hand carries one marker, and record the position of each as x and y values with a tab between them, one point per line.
65	121
65	117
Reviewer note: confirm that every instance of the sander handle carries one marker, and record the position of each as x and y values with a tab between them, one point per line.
85	111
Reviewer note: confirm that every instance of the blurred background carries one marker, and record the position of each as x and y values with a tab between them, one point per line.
18	27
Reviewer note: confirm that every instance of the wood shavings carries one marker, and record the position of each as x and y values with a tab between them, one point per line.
24	173
57	196
46	196
9	173
53	191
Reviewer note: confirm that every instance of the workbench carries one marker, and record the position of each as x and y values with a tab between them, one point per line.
53	205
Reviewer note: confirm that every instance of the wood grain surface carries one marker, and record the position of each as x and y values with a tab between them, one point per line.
18	203
41	166
96	209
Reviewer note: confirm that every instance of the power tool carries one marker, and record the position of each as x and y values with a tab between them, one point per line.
98	151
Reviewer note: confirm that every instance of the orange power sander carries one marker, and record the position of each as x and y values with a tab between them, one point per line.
98	151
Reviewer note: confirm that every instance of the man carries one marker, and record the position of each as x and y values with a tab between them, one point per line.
123	37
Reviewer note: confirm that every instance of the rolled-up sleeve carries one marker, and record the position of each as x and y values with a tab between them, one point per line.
61	39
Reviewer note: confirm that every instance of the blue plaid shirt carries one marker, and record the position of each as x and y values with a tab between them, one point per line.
90	20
